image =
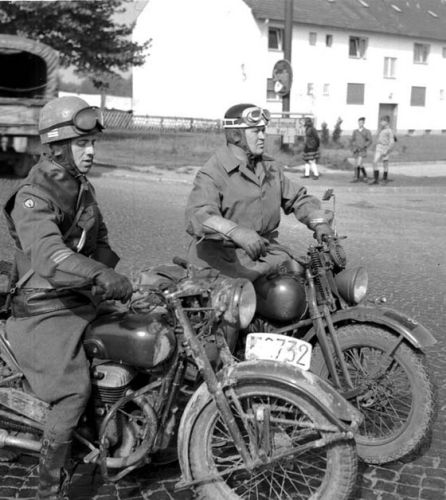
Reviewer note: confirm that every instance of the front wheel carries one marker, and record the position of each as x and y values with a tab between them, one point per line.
280	421
396	394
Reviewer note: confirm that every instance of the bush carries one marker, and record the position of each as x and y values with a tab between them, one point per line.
325	134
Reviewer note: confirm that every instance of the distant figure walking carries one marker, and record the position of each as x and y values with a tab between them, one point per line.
311	149
384	145
360	141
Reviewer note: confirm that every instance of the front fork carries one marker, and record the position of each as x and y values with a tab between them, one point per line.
215	387
319	313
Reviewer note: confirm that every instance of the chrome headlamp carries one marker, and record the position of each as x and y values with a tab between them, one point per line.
352	284
237	299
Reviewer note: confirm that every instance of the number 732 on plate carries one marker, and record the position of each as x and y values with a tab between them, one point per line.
277	347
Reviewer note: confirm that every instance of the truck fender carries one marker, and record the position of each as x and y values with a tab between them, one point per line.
399	323
318	391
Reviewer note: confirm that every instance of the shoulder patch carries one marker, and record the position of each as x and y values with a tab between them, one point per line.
29	203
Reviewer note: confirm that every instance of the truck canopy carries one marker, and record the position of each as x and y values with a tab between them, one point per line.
28	69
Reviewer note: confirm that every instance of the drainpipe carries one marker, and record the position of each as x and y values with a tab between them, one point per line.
288	36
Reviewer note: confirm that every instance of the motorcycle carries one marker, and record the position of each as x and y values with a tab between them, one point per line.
372	354
161	371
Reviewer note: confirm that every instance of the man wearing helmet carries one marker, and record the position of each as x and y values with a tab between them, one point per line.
61	246
233	211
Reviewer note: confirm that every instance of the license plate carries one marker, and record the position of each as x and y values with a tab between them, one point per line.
278	348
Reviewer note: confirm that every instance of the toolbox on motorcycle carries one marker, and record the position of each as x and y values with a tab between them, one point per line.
6	271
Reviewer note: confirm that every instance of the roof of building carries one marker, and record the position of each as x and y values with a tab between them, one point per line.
415	18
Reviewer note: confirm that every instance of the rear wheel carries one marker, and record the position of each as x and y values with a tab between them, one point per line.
397	402
280	421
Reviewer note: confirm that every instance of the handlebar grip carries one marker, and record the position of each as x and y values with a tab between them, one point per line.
179	261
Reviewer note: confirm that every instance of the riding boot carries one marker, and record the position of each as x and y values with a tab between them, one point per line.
53	477
364	173
375	177
385	177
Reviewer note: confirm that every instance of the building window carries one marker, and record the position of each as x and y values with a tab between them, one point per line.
357	47
310	88
421	53
328	40
355	93
326	89
389	67
270	94
418	96
275	38
312	37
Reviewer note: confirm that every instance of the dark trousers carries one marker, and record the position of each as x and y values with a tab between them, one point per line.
48	348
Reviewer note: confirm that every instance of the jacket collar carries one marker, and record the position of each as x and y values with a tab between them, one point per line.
233	157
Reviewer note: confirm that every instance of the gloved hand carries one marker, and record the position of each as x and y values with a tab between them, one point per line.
322	232
115	285
251	242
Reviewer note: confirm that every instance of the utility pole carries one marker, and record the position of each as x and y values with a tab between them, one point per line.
288	36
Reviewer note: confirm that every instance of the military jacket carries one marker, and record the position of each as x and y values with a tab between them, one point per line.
54	219
252	198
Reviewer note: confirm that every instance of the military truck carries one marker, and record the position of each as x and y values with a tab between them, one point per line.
28	80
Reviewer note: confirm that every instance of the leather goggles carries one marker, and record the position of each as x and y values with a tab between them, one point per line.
84	121
250	117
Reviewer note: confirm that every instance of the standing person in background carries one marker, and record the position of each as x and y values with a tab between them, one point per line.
360	141
311	149
384	145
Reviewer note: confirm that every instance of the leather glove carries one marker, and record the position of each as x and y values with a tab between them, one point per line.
251	242
115	285
322	232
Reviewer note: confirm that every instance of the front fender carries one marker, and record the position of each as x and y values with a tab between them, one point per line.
415	333
312	387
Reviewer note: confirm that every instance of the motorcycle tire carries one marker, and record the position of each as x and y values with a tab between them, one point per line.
398	408
326	473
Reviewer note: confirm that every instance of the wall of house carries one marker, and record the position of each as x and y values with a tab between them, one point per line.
332	66
206	56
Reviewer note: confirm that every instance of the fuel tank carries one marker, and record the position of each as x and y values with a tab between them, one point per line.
140	340
281	297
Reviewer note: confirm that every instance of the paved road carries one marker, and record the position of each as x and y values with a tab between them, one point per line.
396	231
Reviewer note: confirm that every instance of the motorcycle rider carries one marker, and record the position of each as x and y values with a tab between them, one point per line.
61	243
233	211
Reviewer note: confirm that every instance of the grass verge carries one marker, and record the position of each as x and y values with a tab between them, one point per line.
173	150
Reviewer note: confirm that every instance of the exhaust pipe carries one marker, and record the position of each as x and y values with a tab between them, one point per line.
18	442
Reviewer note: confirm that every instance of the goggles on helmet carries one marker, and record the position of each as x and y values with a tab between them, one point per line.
84	121
251	117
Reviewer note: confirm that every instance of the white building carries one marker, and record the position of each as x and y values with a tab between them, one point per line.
350	58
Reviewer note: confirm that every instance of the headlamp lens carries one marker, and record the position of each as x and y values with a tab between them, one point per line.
247	304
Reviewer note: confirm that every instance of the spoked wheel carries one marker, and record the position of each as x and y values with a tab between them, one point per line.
395	397
280	421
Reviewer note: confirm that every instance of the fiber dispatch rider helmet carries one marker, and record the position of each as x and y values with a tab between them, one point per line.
246	116
68	117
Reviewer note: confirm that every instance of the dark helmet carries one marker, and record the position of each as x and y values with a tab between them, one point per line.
280	297
66	118
246	116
